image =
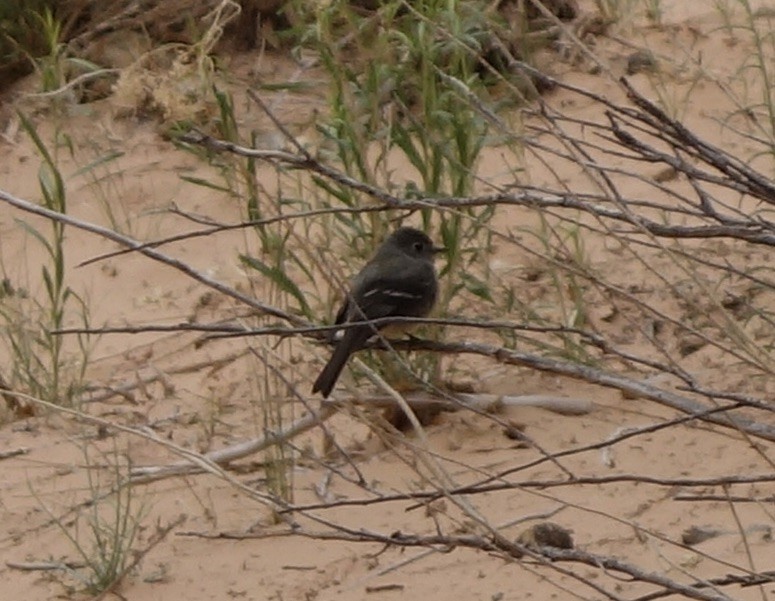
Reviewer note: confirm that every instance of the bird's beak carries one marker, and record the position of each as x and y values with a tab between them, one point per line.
438	250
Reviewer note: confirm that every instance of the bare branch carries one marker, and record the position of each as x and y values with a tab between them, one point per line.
123	240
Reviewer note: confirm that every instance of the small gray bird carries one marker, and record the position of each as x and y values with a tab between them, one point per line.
399	281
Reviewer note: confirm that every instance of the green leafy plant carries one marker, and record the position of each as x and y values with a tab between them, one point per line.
405	99
20	35
50	56
40	366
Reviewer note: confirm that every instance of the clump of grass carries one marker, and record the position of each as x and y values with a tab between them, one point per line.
401	118
104	174
615	10
39	365
758	26
36	35
404	100
278	263
564	243
105	532
56	66
21	36
654	11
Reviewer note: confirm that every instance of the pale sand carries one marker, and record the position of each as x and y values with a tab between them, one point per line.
212	408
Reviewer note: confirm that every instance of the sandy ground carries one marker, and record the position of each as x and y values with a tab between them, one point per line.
214	395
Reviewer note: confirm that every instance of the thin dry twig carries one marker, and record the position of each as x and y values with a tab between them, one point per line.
222	457
13	452
546	556
128	242
44	566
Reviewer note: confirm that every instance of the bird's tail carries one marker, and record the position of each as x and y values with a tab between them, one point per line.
352	340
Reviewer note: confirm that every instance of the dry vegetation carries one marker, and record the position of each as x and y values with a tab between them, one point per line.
589	412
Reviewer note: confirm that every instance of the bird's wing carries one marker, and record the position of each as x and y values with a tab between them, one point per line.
399	288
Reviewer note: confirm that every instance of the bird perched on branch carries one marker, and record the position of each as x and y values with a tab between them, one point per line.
399	281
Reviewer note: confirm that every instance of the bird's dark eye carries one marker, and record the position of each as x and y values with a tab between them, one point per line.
418	247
